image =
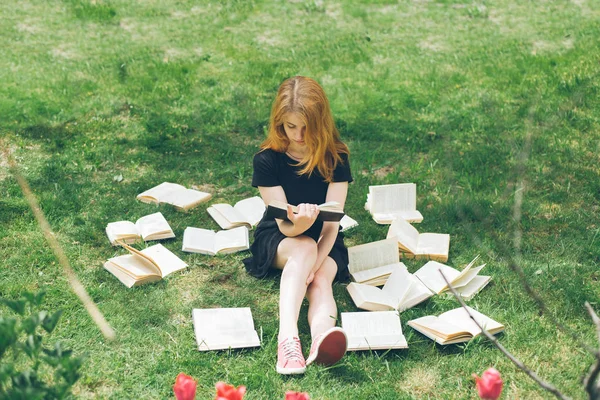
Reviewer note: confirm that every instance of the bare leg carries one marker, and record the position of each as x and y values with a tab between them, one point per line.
322	310
296	256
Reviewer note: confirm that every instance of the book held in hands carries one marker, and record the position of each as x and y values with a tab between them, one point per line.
455	326
330	211
467	282
247	212
149	227
224	328
206	241
172	193
388	202
144	266
401	292
412	244
372	263
379	330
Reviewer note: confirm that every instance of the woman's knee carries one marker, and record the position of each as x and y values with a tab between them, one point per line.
324	276
297	253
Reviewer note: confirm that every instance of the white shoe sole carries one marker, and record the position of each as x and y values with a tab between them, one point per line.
291	371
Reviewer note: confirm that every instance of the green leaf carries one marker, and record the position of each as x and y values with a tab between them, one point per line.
49	323
32	345
17	306
8	334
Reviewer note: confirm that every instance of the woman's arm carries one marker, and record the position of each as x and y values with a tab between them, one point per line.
298	223
337	191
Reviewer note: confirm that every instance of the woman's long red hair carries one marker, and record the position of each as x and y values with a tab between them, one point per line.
306	98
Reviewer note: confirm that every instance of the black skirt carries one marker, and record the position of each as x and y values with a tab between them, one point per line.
267	237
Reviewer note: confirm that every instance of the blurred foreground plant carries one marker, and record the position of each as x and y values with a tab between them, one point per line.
28	370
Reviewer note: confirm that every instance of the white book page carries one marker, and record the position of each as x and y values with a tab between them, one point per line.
164	258
436	326
411	215
373	330
430	275
433	243
362	294
465	277
406	234
153	224
370	274
185	198
121	229
219	218
347	223
233	239
134	266
474	286
221	328
417	293
393	198
157	193
460	317
252	209
398	285
230	213
197	240
371	255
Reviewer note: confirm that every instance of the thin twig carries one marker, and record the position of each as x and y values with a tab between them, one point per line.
545	385
590	381
76	285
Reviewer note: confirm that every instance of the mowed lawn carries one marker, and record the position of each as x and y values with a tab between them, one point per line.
491	108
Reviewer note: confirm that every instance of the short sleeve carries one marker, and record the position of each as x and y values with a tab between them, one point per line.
342	170
265	169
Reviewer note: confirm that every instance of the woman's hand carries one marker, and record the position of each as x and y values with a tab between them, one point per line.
307	214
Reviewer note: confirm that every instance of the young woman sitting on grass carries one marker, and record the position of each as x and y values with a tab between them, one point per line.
302	162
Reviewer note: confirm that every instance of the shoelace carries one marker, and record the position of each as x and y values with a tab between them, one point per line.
292	350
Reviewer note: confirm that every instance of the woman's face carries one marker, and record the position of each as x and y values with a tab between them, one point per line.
294	129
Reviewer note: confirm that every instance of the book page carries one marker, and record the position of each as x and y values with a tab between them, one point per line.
369	297
468	291
197	240
373	330
154	226
347	223
433	244
157	193
392	198
252	209
407	235
387	218
417	293
398	285
430	275
164	258
435	327
184	198
223	328
124	230
371	255
460	317
232	240
466	276
230	213
372	274
134	266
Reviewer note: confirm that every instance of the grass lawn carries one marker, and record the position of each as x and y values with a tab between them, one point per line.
482	104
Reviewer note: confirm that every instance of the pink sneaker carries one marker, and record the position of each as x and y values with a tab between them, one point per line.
289	357
328	348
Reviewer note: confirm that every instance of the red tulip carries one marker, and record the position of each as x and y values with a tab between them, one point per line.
185	387
296	396
489	386
228	392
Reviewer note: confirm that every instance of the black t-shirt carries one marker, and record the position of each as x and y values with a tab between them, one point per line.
272	168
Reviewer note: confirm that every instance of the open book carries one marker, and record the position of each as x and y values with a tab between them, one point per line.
205	241
387	202
330	211
373	331
246	212
224	328
174	194
144	266
455	326
149	227
347	223
412	244
372	263
401	292
466	282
